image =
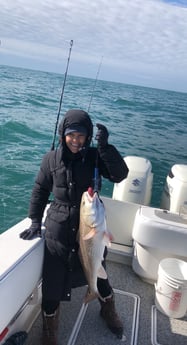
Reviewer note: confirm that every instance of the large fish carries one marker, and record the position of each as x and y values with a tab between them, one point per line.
93	237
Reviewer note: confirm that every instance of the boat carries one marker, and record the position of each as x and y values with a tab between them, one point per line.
144	236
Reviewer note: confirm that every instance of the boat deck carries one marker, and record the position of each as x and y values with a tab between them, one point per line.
143	323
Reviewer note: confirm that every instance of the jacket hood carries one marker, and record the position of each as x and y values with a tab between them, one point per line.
77	117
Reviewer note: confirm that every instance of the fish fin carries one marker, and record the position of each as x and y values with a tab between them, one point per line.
111	237
102	273
108	238
90	234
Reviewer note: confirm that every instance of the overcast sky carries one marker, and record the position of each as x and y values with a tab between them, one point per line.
142	42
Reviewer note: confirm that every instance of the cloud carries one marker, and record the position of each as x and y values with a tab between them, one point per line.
138	38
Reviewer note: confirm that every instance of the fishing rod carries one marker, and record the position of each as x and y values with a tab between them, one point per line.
97	180
61	97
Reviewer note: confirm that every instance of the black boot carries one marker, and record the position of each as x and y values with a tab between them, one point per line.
50	327
109	314
18	338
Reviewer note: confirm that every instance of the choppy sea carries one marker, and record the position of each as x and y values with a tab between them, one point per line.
142	121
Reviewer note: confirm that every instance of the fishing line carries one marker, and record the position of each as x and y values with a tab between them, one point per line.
61	97
92	94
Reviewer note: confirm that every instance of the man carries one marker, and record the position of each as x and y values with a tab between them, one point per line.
66	173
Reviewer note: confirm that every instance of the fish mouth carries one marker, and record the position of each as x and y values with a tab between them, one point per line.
91	198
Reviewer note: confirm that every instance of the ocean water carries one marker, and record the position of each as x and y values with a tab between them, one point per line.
142	121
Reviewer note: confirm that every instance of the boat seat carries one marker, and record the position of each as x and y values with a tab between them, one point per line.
157	234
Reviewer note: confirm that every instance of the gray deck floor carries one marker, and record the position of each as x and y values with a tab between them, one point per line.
153	327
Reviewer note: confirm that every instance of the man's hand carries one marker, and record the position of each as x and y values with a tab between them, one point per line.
101	135
33	231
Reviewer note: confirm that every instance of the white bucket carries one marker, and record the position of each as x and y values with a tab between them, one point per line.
171	287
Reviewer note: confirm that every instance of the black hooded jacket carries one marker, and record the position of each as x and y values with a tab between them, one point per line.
67	176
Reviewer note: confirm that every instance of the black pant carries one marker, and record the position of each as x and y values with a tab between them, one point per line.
104	288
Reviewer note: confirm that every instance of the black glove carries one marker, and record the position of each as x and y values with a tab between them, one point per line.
33	231
101	135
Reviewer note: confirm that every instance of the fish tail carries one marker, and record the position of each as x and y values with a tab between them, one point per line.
90	296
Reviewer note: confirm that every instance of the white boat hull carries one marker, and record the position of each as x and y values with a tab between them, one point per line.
20	271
